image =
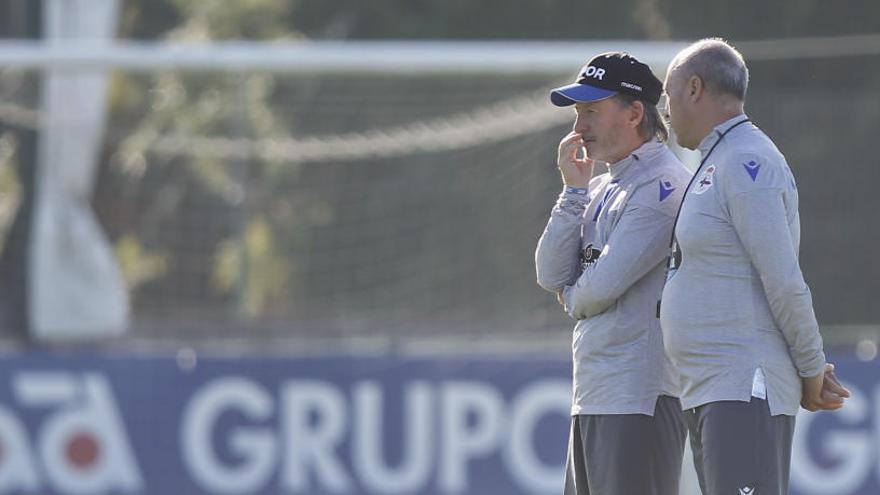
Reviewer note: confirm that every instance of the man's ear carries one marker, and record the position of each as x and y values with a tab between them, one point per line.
637	113
695	88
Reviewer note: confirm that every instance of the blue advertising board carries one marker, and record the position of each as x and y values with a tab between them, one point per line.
84	422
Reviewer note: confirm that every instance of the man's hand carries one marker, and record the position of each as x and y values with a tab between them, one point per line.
576	172
831	385
823	392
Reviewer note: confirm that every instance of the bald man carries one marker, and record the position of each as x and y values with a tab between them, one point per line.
736	314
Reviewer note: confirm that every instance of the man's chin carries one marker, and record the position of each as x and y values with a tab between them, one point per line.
594	152
600	155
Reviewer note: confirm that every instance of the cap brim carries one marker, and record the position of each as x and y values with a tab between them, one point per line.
578	93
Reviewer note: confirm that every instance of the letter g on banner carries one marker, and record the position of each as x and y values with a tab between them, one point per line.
851	450
256	446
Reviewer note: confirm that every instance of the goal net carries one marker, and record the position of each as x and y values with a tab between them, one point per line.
388	191
354	198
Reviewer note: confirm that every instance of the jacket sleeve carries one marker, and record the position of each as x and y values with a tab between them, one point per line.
638	244
760	220
557	257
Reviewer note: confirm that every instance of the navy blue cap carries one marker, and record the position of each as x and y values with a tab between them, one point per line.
606	75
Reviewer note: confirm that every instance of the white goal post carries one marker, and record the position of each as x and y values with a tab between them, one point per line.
329	57
398	57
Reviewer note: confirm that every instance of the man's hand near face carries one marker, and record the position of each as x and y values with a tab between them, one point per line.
576	172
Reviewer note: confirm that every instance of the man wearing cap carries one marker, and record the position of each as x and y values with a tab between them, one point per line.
602	253
737	316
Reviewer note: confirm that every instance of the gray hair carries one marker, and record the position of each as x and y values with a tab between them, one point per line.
719	65
652	125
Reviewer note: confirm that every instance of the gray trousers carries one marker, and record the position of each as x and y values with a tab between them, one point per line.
626	454
739	448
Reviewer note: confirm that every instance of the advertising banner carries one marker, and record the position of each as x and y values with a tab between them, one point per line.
89	423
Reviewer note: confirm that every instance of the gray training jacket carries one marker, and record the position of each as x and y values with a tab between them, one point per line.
738	301
619	363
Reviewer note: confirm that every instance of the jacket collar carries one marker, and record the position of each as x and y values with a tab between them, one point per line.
643	153
716	133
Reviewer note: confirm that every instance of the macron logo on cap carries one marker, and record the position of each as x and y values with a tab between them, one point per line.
594	72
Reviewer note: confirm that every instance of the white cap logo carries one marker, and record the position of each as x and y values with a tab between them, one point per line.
594	72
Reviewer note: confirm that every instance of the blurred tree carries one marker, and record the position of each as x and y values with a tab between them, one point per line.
246	267
19	19
579	19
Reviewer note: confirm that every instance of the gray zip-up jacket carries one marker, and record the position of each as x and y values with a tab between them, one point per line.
619	363
738	300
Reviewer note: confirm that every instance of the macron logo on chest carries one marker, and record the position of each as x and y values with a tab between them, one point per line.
665	189
752	168
593	72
